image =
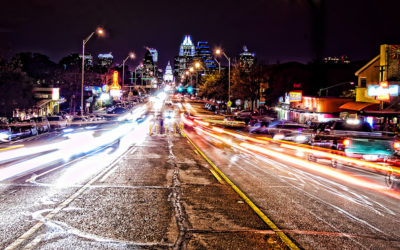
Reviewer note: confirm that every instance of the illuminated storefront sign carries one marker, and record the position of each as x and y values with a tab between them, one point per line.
295	96
383	91
115	84
55	95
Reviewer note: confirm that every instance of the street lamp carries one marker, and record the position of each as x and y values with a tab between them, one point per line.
333	86
219	52
100	32
131	56
219	65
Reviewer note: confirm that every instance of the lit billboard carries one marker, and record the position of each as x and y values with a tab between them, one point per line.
295	96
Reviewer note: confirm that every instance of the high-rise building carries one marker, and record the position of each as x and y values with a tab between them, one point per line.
246	59
187	47
203	54
168	75
88	59
105	60
184	59
154	53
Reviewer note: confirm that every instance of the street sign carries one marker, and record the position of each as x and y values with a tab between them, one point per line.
229	103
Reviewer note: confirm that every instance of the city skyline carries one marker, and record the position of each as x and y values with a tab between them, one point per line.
299	30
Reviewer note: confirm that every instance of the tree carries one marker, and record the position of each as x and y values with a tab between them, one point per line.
246	83
214	86
15	88
37	66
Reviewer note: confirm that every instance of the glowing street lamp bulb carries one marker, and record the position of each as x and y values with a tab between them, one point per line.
132	55
197	65
187	72
218	51
191	69
100	31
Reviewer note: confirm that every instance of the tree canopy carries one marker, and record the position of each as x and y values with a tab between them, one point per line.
15	88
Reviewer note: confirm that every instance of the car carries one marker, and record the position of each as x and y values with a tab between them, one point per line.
285	130
5	133
42	124
257	127
57	122
78	121
23	129
117	110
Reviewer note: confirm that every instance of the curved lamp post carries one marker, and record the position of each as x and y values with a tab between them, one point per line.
131	56
100	32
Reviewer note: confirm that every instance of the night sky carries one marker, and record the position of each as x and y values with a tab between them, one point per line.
284	30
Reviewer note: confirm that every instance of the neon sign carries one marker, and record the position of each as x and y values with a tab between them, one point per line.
384	91
295	96
115	84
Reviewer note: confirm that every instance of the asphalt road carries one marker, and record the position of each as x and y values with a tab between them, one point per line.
130	185
315	209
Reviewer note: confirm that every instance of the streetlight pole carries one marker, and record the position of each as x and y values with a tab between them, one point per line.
132	56
100	32
219	65
333	86
218	52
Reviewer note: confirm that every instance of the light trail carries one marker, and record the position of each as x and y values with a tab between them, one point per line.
315	167
328	171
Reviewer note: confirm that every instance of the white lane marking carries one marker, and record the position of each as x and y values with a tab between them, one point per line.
50	215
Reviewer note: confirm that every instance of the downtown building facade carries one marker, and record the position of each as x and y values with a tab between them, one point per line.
189	54
184	59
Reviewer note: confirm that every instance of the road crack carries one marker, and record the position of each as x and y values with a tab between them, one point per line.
175	197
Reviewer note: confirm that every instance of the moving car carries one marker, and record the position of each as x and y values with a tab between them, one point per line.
285	130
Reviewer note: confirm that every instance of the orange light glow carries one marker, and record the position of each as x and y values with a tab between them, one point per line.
359	163
328	171
202	122
115	84
384	84
396	145
346	142
186	121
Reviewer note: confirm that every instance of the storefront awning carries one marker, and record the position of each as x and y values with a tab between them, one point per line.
42	103
358	106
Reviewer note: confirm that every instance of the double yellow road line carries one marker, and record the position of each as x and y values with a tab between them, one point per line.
265	218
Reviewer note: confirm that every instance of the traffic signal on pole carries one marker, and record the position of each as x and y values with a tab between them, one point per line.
180	89
190	89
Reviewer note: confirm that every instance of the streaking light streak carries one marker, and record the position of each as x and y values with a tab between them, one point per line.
328	171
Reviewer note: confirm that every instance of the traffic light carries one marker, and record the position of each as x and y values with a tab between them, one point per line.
180	89
189	89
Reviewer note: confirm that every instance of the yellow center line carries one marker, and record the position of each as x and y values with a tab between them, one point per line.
267	220
12	147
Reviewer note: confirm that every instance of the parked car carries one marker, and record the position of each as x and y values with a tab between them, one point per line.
5	133
42	124
57	122
78	121
23	129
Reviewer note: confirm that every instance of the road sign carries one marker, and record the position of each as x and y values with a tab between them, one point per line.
229	103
